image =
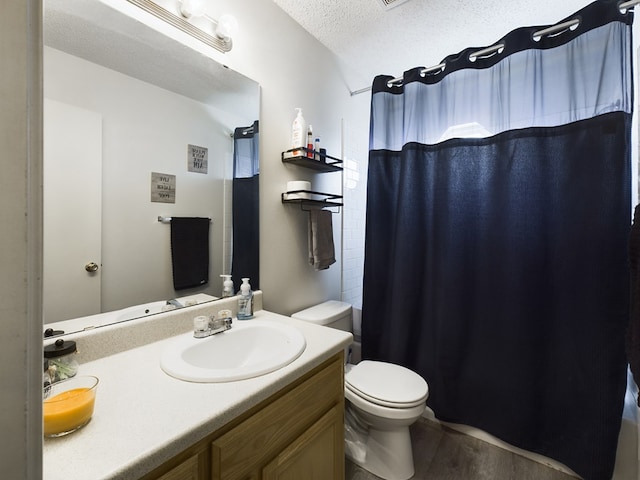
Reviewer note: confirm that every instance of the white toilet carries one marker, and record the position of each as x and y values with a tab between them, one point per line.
383	400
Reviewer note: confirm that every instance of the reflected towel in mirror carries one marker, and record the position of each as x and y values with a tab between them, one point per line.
190	251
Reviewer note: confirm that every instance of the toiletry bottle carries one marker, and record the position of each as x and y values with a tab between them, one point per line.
310	142
227	286
316	148
245	301
297	133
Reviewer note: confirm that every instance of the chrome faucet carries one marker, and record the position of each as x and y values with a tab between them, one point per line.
204	326
175	303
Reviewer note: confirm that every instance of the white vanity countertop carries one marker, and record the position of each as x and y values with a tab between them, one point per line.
143	417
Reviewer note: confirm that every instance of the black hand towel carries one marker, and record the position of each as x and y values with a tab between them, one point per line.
189	251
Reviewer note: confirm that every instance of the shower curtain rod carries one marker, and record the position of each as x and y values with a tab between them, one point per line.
486	52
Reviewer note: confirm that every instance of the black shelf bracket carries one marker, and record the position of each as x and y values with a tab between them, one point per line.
314	200
308	158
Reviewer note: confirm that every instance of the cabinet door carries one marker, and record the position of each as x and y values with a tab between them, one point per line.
315	455
187	470
244	450
192	464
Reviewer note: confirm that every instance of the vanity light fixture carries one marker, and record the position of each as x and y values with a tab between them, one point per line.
227	26
190	17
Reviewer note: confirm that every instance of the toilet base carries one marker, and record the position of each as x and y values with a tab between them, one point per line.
388	454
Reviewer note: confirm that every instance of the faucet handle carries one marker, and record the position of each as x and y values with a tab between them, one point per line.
204	326
220	324
227	316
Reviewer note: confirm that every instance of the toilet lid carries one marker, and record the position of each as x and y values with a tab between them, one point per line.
387	384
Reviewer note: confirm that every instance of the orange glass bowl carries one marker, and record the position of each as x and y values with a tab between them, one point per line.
69	405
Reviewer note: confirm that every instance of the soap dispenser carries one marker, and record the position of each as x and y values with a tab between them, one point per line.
227	286
245	301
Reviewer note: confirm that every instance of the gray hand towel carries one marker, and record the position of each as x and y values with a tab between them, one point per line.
321	249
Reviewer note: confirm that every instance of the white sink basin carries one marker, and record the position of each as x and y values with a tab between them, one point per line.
250	349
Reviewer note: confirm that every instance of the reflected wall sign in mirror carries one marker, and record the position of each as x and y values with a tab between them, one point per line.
117	110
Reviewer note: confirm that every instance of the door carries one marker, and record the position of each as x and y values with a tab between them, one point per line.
72	211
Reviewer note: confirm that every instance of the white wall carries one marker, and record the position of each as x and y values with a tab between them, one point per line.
20	239
294	70
356	132
147	129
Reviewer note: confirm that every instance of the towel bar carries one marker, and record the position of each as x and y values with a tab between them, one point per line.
167	219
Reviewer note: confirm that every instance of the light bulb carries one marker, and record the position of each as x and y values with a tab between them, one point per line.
227	26
192	8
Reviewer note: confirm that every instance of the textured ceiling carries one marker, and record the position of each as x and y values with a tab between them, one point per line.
371	40
367	38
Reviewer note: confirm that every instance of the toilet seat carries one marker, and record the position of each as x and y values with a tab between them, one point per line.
386	384
388	414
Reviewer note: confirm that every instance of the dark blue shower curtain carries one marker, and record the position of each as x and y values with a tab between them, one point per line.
246	206
496	266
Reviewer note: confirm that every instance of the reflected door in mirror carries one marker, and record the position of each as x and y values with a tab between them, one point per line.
72	211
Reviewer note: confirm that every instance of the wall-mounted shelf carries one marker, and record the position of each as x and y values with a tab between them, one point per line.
310	199
326	163
314	200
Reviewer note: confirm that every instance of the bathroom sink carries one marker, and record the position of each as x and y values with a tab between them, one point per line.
250	349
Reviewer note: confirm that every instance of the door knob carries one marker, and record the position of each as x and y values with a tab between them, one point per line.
91	267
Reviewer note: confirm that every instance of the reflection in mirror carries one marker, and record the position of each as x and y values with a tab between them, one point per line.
246	173
124	102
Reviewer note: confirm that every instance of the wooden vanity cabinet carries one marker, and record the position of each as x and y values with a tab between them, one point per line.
195	467
298	433
313	454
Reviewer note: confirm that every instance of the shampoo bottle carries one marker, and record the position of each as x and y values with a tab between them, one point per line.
227	286
297	133
245	301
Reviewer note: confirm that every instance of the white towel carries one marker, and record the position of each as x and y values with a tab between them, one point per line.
321	249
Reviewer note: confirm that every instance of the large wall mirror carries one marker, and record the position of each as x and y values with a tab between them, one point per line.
123	105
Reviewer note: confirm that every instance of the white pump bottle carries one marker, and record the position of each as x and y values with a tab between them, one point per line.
298	133
245	301
227	286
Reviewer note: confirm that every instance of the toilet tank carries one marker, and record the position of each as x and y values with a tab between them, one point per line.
332	314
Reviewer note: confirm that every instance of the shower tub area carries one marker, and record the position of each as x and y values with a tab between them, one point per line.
627	455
